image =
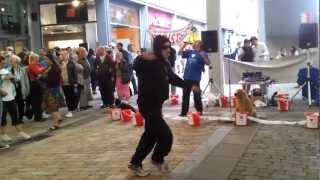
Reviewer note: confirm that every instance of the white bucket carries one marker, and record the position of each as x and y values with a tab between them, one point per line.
241	119
116	114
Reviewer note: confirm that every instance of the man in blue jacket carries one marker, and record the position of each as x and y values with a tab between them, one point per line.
196	60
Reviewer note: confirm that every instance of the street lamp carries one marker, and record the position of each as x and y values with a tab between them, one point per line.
75	3
3	9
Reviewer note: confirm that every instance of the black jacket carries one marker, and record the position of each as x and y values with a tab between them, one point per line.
72	73
154	77
105	72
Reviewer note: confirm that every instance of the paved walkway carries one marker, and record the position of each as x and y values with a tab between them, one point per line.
91	146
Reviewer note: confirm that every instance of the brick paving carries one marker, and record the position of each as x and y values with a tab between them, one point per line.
280	152
98	150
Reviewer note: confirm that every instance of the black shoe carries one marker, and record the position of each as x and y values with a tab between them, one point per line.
183	115
89	107
39	120
138	170
103	106
83	108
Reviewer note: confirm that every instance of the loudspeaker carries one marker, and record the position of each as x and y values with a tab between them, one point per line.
34	16
308	35
210	41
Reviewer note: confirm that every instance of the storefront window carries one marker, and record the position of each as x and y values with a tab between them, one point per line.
125	25
64	25
63	36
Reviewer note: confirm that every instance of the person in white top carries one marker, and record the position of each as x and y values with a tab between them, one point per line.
9	104
260	49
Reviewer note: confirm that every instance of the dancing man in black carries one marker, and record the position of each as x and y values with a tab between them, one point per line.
154	75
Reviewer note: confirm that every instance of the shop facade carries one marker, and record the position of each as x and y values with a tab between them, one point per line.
100	22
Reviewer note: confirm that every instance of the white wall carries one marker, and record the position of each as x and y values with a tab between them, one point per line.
184	7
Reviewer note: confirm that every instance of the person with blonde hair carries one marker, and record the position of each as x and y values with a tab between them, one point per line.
35	71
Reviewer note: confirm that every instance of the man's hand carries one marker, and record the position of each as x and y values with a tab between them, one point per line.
7	77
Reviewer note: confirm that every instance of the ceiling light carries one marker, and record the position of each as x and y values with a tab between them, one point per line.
3	9
75	3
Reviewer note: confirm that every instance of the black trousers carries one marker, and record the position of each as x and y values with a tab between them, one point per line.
93	82
72	96
134	84
36	98
157	135
11	107
107	92
186	98
20	101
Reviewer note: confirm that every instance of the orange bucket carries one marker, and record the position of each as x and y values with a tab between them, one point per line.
195	119
126	115
138	119
223	101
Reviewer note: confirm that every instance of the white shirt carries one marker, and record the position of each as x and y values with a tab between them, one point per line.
7	86
261	51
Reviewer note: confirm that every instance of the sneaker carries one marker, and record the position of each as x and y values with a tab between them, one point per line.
163	167
6	138
69	115
24	135
4	146
138	170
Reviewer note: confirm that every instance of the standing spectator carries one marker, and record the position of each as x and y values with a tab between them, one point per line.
35	70
127	58
2	94
70	82
260	49
293	51
106	76
133	79
92	61
53	98
85	95
23	55
172	60
43	57
22	85
122	77
9	104
196	60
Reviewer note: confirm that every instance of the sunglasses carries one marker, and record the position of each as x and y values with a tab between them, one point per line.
166	46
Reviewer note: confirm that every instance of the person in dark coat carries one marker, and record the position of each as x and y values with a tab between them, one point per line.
92	60
105	73
154	76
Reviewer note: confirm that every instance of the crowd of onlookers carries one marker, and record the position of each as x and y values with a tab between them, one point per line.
34	86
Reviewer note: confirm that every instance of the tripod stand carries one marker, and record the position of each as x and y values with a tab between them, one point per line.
211	84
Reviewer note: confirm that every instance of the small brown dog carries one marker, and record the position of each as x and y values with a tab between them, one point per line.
244	105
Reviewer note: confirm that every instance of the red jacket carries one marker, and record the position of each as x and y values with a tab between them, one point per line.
34	70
